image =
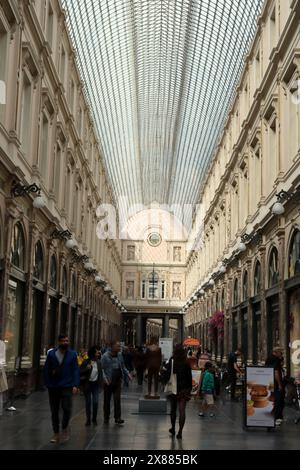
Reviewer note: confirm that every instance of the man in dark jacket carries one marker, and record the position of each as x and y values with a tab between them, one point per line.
61	373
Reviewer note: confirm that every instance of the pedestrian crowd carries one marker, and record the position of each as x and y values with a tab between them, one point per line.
106	368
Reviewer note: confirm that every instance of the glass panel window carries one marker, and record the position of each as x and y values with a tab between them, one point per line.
245	286
294	255
18	247
257	278
236	292
273	268
134	57
38	270
143	295
162	289
53	273
65	282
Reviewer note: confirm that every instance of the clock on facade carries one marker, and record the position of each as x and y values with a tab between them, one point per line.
154	239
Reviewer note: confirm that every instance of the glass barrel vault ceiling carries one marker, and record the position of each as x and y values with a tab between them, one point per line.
160	76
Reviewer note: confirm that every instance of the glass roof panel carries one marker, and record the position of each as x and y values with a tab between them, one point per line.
160	76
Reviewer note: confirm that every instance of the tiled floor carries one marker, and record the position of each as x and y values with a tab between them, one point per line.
30	428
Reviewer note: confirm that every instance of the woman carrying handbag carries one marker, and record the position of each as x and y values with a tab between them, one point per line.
178	387
91	379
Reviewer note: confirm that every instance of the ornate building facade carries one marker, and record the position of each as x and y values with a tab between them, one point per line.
47	138
248	266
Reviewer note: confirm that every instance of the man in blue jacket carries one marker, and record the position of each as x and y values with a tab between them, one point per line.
62	378
114	371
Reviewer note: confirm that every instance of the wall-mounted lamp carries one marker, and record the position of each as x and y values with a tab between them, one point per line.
19	190
283	196
78	258
222	269
64	235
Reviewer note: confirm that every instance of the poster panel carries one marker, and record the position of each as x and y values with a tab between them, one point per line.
196	376
166	345
259	397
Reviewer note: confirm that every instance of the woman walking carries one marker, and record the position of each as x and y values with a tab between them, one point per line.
179	387
91	379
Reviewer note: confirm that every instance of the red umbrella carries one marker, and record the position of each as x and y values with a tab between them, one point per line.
193	342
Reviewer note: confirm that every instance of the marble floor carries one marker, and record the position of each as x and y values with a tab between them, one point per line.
29	428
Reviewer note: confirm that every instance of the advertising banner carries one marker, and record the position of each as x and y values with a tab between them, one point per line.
196	376
166	345
259	397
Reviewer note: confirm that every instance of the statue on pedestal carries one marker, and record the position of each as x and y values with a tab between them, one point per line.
153	364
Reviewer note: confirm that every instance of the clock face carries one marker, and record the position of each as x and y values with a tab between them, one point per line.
154	239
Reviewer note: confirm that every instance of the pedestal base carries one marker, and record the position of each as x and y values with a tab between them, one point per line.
155	407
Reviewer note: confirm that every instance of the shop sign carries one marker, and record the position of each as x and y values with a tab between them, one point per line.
259	397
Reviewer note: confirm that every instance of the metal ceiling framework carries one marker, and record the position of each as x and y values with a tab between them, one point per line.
160	76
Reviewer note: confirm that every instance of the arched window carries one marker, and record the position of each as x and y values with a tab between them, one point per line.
257	278
294	255
73	290
38	269
245	286
18	247
236	292
53	273
65	281
273	268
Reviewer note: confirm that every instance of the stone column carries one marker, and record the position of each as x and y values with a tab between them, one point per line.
283	321
166	326
264	325
139	330
250	333
181	329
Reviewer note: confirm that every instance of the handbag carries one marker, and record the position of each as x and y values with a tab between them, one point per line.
171	386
